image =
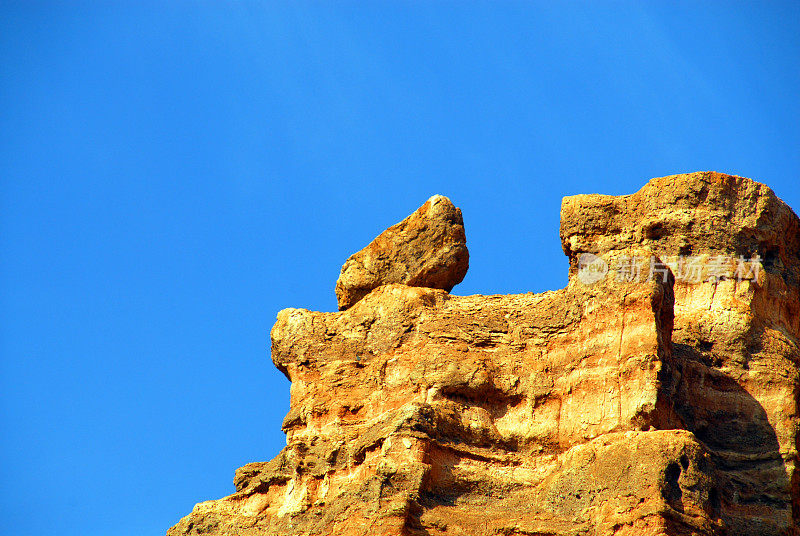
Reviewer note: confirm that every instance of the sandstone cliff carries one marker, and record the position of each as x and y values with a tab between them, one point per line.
657	394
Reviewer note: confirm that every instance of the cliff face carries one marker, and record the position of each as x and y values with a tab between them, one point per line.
657	394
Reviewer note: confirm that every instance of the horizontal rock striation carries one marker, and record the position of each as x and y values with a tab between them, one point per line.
736	335
635	401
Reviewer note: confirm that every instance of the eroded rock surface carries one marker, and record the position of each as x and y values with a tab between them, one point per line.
639	403
427	249
736	336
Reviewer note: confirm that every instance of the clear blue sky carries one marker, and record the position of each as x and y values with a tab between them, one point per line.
175	173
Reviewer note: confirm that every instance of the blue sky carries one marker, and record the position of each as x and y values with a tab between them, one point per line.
175	173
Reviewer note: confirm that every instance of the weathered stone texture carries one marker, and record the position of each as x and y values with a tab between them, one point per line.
427	249
735	342
629	406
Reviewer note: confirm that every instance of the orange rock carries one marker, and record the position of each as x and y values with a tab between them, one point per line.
631	402
736	335
427	249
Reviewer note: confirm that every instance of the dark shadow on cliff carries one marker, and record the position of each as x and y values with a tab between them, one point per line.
753	491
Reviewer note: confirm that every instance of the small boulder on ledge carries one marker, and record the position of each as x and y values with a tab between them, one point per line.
427	249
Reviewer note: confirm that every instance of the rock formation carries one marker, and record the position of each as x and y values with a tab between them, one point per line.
657	394
427	249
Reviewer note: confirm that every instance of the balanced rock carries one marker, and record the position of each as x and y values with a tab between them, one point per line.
657	399
427	249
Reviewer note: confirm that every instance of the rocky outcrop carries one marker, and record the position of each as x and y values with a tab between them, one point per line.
734	249
427	249
656	394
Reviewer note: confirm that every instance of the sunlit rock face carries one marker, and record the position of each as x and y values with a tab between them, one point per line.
734	249
656	394
427	249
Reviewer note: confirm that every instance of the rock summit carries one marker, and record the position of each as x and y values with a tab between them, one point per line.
656	395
